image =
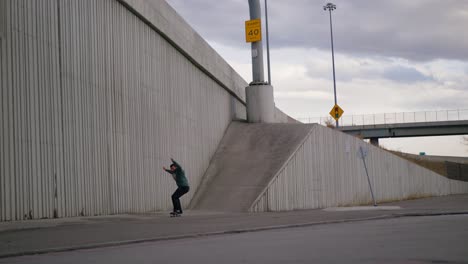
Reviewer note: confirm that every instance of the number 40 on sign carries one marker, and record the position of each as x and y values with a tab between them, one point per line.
253	30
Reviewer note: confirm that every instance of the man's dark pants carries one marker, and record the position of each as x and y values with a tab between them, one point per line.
176	195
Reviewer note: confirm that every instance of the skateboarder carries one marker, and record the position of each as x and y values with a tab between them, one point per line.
182	186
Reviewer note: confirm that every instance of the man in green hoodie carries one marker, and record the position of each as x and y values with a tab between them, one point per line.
182	186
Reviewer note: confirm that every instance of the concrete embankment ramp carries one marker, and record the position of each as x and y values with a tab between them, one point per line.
247	158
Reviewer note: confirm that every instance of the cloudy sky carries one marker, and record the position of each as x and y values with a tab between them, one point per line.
390	56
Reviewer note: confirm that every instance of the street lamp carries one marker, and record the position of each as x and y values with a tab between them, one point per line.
331	7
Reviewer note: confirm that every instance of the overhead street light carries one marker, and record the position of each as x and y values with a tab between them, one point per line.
330	7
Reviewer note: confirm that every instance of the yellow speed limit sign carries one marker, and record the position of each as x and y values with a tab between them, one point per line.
253	30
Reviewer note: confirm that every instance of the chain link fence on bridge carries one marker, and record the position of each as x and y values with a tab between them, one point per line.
391	118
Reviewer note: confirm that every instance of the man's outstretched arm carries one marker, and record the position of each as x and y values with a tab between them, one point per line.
175	163
168	171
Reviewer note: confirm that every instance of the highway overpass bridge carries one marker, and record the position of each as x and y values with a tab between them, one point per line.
419	129
404	124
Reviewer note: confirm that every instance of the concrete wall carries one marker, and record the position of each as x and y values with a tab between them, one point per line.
158	15
327	171
94	100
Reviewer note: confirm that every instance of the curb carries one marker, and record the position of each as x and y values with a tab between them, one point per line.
235	231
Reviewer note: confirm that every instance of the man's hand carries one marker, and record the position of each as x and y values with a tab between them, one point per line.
164	168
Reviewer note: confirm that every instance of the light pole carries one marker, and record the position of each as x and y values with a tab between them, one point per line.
267	43
331	7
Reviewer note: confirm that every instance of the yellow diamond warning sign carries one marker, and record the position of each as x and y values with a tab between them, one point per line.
336	112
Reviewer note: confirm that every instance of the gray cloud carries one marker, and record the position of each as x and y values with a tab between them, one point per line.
455	101
415	30
405	75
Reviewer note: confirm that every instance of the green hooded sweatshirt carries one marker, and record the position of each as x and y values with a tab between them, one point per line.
179	175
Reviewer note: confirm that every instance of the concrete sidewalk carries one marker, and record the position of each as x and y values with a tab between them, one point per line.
42	236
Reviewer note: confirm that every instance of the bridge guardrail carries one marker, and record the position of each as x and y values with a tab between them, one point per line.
392	118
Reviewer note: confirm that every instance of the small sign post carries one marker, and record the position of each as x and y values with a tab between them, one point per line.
363	154
253	30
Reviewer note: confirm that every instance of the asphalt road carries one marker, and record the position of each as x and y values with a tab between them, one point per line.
433	239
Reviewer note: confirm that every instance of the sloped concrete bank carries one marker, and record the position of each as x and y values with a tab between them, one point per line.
247	158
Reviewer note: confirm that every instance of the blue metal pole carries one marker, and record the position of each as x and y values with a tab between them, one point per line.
333	60
267	42
257	49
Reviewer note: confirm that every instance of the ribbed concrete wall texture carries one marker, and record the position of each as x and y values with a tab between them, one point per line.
95	100
327	170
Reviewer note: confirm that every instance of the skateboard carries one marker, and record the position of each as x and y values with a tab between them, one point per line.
174	214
